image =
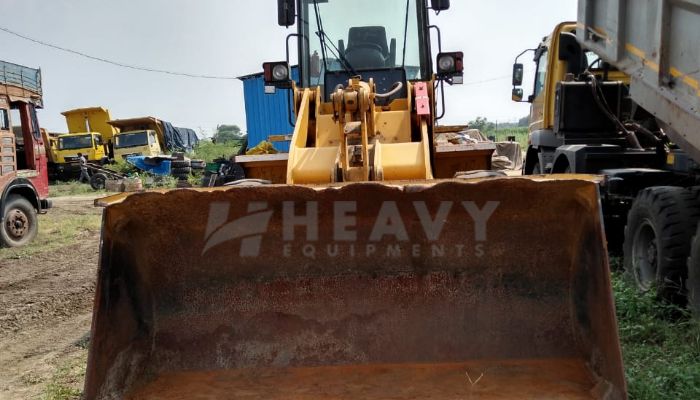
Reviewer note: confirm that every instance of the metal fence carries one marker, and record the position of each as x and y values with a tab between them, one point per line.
20	76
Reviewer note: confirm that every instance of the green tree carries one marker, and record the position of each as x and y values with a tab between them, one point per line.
227	133
482	124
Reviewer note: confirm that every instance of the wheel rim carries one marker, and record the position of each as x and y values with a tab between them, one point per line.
17	224
645	256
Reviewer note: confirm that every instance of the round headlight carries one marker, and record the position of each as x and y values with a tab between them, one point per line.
280	72
446	64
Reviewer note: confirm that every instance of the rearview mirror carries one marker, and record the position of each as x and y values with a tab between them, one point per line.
440	5
285	12
517	95
518	74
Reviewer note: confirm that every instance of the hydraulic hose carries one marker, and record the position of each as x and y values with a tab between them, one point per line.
394	89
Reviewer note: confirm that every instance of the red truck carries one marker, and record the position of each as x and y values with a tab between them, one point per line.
24	183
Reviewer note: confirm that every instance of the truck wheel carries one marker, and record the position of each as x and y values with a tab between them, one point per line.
657	239
98	181
20	223
693	282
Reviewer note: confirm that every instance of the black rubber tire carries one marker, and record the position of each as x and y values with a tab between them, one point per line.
22	214
98	181
659	229
692	284
182	177
198	164
181	171
180	164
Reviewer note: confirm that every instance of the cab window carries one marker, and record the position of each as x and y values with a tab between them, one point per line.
98	140
541	75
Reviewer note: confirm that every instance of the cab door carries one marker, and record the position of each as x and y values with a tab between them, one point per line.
539	98
30	160
8	158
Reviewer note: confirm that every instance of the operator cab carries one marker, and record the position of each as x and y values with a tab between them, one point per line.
387	41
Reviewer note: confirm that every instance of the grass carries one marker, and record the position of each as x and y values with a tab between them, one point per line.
521	135
55	231
660	345
66	382
72	188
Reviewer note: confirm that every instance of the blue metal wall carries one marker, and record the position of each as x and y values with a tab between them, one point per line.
266	114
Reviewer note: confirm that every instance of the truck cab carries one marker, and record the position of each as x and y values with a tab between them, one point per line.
136	143
89	144
569	132
24	186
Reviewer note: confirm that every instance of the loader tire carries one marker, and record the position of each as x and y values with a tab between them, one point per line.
693	282
659	229
19	224
98	181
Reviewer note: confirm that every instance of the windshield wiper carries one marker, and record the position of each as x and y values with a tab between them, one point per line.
405	35
323	36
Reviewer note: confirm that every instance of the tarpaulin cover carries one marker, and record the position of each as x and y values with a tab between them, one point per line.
179	139
508	156
153	165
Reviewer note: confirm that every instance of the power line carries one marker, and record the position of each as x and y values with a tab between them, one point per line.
162	71
116	63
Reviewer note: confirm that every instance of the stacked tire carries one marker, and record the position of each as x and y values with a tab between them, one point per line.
181	169
198	165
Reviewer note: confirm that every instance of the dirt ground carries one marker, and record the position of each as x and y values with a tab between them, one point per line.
46	295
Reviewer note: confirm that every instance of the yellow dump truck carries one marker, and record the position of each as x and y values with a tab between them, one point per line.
88	134
622	102
138	136
361	276
149	136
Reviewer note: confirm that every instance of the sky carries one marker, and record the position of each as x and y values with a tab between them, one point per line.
233	38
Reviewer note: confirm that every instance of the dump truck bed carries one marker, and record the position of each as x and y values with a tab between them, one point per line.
375	291
655	42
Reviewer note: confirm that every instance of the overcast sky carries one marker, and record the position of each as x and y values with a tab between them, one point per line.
233	38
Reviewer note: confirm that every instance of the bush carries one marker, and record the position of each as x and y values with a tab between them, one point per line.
209	151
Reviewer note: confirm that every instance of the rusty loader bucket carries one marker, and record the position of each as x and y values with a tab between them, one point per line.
493	290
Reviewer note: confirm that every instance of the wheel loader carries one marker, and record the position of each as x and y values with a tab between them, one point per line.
384	268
